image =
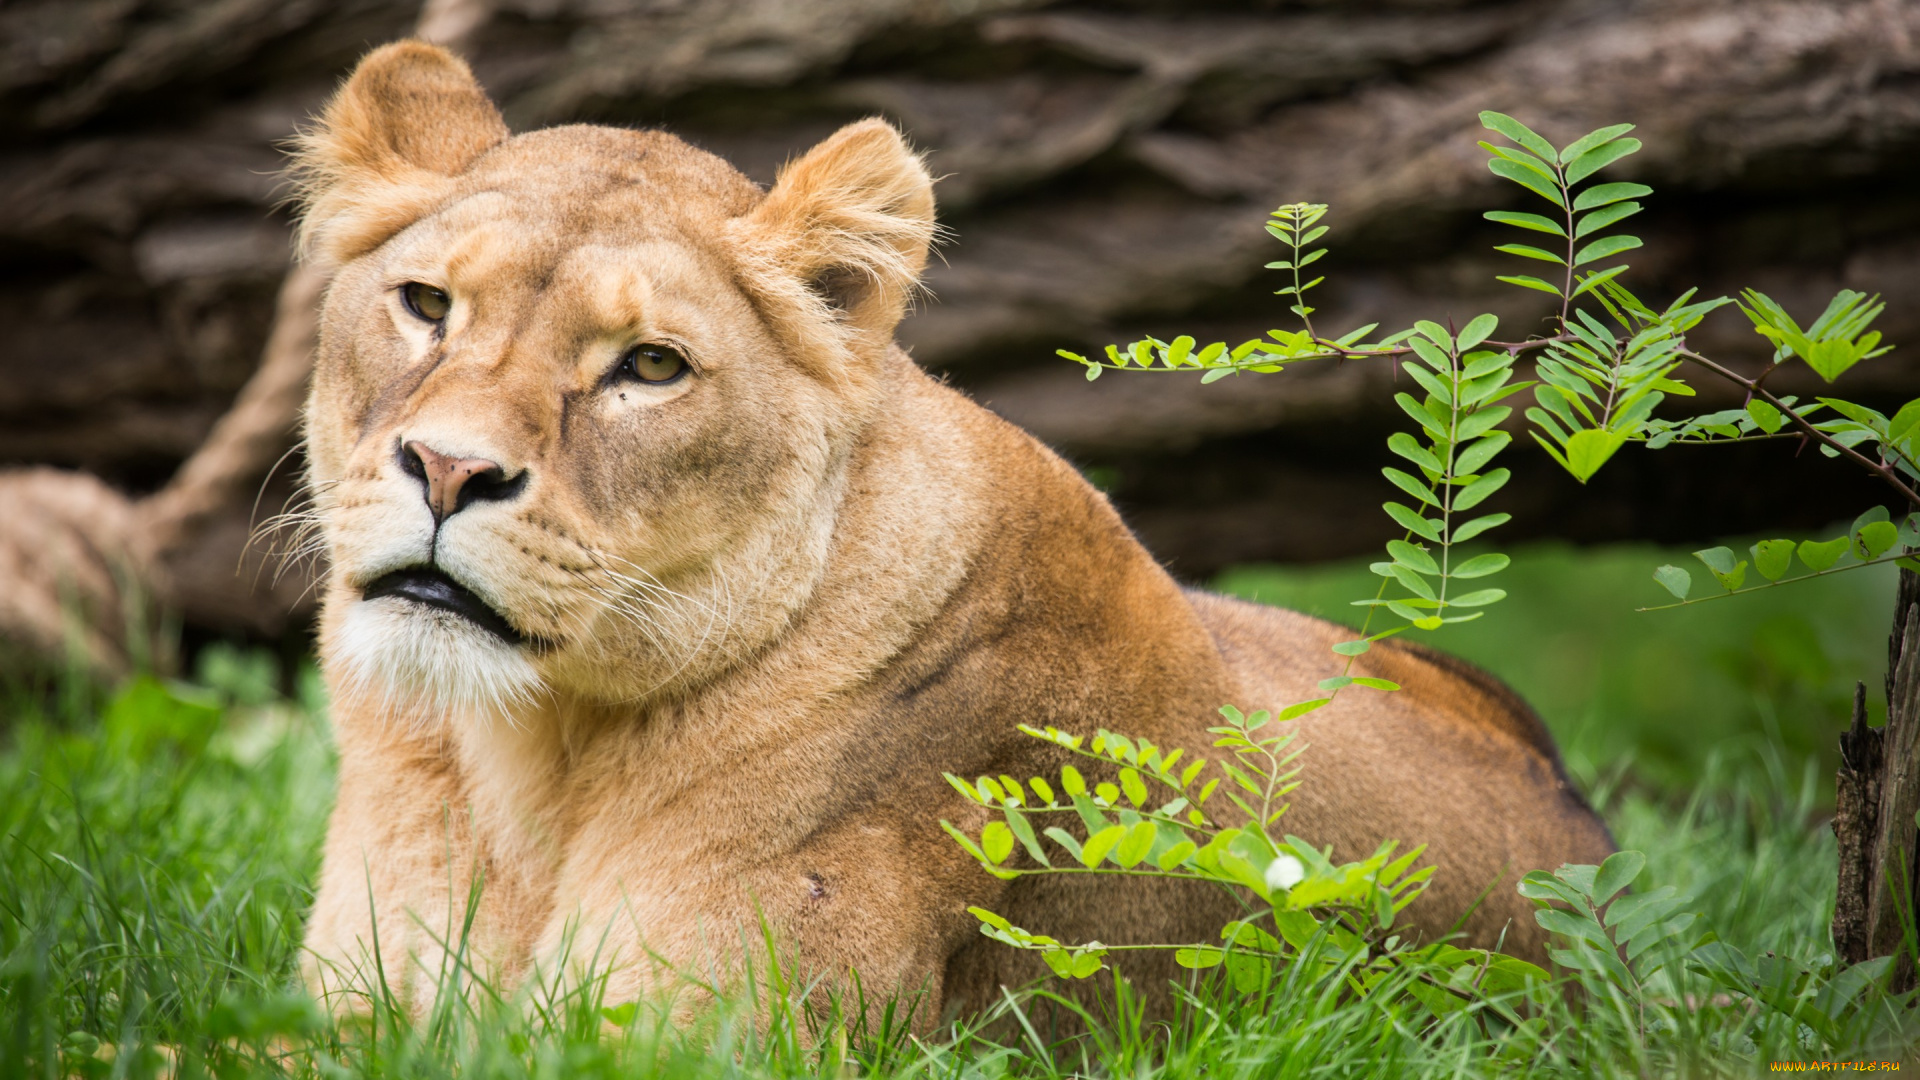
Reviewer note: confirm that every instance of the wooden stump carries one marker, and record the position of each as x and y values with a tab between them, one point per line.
1877	795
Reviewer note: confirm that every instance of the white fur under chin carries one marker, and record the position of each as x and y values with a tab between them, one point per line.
412	655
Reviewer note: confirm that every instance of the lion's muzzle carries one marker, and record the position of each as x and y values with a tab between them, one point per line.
430	586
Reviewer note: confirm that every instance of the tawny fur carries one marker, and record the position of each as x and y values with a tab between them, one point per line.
770	603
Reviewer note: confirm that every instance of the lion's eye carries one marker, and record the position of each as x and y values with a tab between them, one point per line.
653	364
425	301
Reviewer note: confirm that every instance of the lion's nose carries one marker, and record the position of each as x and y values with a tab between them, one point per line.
453	483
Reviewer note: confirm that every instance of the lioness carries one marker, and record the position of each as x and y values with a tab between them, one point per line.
665	586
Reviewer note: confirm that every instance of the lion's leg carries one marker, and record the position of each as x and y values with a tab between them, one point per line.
666	924
391	920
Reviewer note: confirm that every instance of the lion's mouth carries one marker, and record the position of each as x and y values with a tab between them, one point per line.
431	586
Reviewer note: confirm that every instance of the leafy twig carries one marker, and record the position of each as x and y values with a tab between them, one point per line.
1829	572
1885	472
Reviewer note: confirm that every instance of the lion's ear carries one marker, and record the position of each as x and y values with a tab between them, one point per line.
851	221
409	119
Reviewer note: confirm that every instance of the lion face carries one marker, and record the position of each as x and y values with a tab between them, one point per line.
583	397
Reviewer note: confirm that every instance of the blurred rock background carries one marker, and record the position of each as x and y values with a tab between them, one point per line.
1107	168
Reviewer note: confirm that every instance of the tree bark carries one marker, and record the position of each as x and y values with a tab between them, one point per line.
1877	796
1856	814
1106	168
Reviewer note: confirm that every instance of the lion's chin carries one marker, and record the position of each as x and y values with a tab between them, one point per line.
413	656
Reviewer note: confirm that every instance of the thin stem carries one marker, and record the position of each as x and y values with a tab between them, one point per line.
1566	201
1828	572
1299	297
1446	478
1752	386
1262	953
1157	873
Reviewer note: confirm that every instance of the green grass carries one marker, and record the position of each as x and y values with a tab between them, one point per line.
160	844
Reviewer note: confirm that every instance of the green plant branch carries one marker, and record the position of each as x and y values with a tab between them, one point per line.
1240	950
1829	572
1335	351
1887	473
1299	294
1725	440
1145	815
1121	871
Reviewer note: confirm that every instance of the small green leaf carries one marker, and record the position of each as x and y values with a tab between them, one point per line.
1134	846
1434	332
1473	457
1674	580
1605	247
1175	855
1527	178
1131	784
1720	562
1408	447
1065	840
1481	566
1604	194
1615	874
1823	555
990	918
1071	781
1600	219
1023	831
1060	960
1199	957
1412	580
1425	377
1375	684
1353	648
1479	525
1592	281
1526	281
1300	709
1904	424
1473	494
1479	329
1480	598
1772	557
1592	139
1599	158
1416	488
1413	522
1588	449
1525	221
1518	132
965	841
1765	416
996	840
1530	252
1100	844
1719	559
1874	540
1412	556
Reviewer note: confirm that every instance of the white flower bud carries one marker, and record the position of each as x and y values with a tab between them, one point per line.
1284	872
